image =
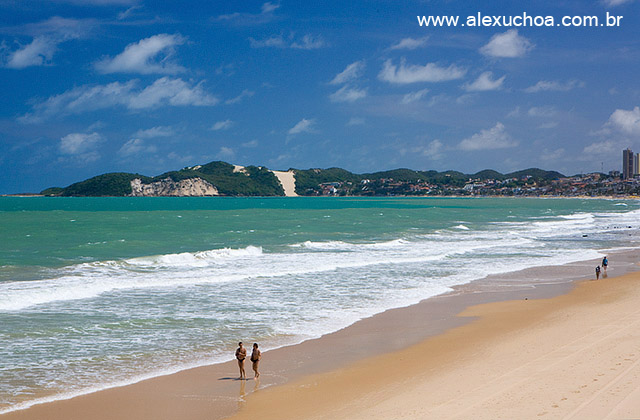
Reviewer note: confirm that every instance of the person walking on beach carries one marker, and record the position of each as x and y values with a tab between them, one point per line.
605	263
256	355
597	272
241	354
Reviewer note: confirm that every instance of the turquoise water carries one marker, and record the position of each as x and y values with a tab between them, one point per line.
96	292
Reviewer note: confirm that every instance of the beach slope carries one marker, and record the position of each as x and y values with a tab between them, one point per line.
575	356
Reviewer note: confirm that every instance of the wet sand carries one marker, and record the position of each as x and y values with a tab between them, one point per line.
379	365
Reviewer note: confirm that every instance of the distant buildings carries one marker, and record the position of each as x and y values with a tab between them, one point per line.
628	164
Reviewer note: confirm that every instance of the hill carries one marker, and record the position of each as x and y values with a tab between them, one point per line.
224	179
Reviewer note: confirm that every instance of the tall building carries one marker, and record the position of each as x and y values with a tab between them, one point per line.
636	164
627	164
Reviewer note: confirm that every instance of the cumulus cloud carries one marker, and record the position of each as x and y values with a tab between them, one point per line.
244	94
546	85
493	138
154	132
484	82
163	92
507	45
78	143
136	146
307	42
222	125
410	43
627	122
347	94
352	72
303	126
38	53
430	72
148	56
247	19
47	36
414	96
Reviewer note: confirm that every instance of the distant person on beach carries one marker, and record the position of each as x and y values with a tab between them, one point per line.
241	354
605	263
597	272
256	355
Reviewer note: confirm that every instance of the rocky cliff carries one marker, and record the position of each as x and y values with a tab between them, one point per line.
191	187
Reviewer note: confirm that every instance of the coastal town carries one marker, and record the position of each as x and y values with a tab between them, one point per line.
590	185
527	183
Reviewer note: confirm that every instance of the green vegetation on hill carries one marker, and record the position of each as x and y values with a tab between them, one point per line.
252	181
308	181
259	181
113	185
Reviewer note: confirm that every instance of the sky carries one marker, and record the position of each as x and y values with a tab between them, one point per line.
96	86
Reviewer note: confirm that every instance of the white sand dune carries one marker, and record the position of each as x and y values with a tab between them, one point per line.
288	181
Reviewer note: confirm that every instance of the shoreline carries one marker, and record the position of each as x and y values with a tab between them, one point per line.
572	356
219	395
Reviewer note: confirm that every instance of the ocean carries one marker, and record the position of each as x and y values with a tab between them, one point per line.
101	292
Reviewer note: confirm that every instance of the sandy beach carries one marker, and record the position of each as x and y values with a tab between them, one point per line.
554	350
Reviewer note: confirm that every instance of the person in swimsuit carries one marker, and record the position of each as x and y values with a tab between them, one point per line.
597	272
241	354
605	263
256	355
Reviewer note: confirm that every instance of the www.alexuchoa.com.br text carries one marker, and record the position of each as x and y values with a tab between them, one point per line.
524	20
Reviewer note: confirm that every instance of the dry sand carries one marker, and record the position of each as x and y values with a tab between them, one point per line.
288	181
576	355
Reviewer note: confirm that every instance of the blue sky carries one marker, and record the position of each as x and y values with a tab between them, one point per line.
95	86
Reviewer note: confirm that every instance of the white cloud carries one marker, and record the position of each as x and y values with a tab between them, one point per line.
127	13
226	153
47	36
303	126
602	148
430	72
551	155
163	92
307	42
273	41
485	83
546	85
613	3
222	125
414	96
347	94
546	126
627	122
433	150
78	143
247	19
147	56
176	92
352	72
493	138
508	44
355	121
410	43
38	53
154	132
250	144
244	94
136	146
542	111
